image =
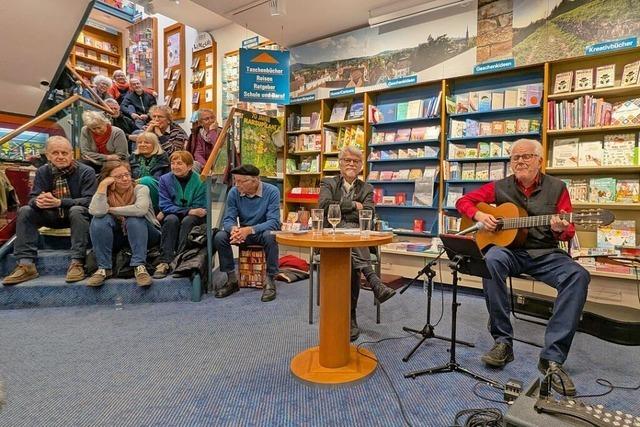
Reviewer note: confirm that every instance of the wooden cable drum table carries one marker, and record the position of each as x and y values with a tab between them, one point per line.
334	361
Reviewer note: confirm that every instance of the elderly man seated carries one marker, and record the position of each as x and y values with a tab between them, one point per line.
60	198
252	212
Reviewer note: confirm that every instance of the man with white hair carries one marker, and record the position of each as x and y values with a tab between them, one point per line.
539	257
137	102
353	195
60	198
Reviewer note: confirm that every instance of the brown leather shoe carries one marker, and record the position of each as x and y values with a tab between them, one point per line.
21	273
75	272
143	278
98	278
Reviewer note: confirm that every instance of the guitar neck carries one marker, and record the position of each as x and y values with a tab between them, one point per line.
532	221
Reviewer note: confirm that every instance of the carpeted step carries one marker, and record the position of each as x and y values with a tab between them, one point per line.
53	291
49	262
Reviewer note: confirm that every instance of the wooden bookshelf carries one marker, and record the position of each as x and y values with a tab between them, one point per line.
617	91
593	170
96	51
610	206
596	129
174	63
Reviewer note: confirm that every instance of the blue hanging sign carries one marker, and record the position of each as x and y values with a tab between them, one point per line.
305	98
402	81
490	67
264	76
342	92
250	42
628	43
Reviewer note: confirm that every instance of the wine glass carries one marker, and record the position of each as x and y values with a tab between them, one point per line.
334	216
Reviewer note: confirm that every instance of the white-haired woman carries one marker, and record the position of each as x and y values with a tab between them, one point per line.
148	163
120	86
101	86
101	142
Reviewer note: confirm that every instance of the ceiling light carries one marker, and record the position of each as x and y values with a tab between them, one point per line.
382	16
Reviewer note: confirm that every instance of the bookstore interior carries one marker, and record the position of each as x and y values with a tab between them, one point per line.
500	166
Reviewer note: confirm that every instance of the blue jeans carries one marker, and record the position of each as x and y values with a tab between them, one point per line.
221	242
556	269
107	236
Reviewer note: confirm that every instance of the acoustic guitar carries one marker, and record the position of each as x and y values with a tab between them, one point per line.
513	223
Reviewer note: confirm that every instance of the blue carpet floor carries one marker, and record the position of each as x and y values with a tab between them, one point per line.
226	363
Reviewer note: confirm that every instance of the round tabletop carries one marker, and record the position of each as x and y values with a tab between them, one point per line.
328	240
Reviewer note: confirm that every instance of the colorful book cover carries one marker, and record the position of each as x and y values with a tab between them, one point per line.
506	148
387	112
565	153
457	128
510	98
534	126
471	152
605	76
414	109
584	79
462	103
468	171
619	149
630	74
497	128
496	171
473	101
415	173
418	134
590	153
482	171
338	112
471	128
534	95
497	100
390	136
401	110
484	150
522	96
618	233
495	149
602	190
485	128
522	125
509	127
484	101
403	135
563	82
628	191
356	111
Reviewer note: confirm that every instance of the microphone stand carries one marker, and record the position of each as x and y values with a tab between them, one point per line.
427	330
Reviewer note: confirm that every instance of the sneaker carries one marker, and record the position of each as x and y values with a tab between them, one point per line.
162	270
143	278
499	355
98	278
21	273
560	380
75	272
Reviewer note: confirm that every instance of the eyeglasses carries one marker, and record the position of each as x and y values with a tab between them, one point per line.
122	176
352	161
526	157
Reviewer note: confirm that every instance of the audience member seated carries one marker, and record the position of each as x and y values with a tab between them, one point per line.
101	85
59	199
252	212
101	142
172	137
183	204
353	195
121	121
122	212
148	164
120	86
204	136
137	103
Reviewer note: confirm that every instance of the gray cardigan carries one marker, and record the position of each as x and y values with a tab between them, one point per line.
117	144
142	207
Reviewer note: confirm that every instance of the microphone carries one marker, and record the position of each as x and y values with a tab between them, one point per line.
475	227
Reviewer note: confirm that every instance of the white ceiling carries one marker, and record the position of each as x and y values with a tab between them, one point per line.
191	14
304	21
35	37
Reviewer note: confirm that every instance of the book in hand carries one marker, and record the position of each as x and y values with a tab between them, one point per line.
630	74
584	79
605	76
563	82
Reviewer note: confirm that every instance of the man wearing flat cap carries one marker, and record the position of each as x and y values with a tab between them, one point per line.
252	212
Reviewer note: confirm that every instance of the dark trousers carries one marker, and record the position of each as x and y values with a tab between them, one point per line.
221	242
30	219
174	234
361	263
556	269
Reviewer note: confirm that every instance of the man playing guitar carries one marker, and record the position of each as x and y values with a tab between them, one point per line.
539	257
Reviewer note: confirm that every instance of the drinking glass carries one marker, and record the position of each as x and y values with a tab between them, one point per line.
333	216
317	220
365	216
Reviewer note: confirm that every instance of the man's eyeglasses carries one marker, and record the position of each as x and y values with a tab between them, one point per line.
352	161
122	176
526	157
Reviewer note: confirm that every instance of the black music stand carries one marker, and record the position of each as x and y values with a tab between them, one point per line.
465	257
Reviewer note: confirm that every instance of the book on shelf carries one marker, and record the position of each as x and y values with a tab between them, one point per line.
415	173
619	149
522	125
462	103
451	224
386	175
339	112
457	151
563	82
590	153
605	76
506	148
497	127
450	105
495	149
602	190
565	153
454	193
305	122
330	141
423	193
510	98
403	135
403	153
374	175
331	163
414	109
630	74
484	101
454	170
578	189
584	79
626	113
356	111
195	97
627	191
431	106
534	95
457	128
484	150
401	111
418	134
432	132
510	127
482	171
473	101
497	100
314	122
374	155
485	128
522	96
468	171
496	170
195	62
618	233
471	128
402	174
471	152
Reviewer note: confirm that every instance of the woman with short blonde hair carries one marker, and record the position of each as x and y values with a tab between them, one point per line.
101	142
148	163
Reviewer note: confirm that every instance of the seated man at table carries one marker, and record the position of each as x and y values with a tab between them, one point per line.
60	198
353	195
251	214
539	257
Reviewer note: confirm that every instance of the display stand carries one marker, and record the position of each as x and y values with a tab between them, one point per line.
174	73
142	61
203	80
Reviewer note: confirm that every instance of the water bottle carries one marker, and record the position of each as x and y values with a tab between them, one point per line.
118	303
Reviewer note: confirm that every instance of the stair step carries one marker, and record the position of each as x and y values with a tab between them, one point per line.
49	262
53	291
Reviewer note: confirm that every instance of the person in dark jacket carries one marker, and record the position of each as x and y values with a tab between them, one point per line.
121	121
137	102
183	204
148	163
60	198
353	195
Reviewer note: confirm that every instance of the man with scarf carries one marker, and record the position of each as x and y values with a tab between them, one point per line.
353	195
183	204
60	198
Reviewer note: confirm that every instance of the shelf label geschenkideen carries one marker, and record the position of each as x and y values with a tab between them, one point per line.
489	67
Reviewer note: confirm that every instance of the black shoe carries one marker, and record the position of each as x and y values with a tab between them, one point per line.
499	355
354	333
382	292
269	290
560	380
226	290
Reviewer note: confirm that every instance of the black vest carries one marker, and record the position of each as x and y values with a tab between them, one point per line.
543	201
